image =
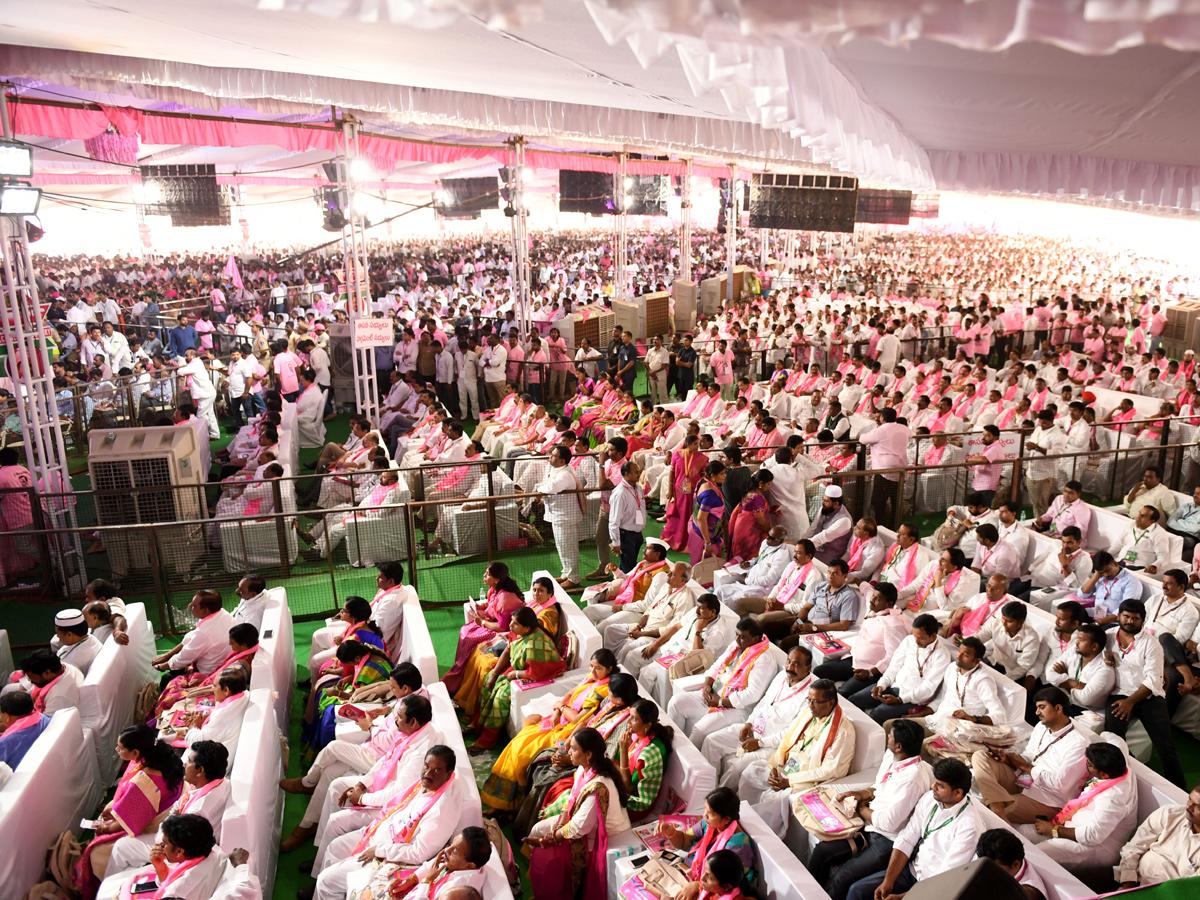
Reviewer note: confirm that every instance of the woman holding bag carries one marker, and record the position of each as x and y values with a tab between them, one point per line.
569	845
704	530
720	829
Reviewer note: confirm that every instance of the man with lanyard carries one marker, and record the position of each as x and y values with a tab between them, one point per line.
969	692
726	692
387	612
1144	544
665	604
881	632
1022	787
1139	691
985	471
761	733
627	515
900	560
1067	509
1109	586
610	476
1173	620
832	606
939	836
1083	671
819	746
626	588
1090	830
756	575
1058	571
410	830
902	779
830	533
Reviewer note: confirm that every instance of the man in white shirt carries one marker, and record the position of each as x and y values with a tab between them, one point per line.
1150	491
888	445
940	835
72	640
204	394
1173	619
657	362
52	684
204	647
994	556
1066	509
1020	787
564	512
627	516
495	361
1139	691
665	604
1012	643
755	577
903	779
1091	829
1007	851
1082	671
1166	846
738	744
1145	543
1060	570
912	678
968	691
252	601
387	611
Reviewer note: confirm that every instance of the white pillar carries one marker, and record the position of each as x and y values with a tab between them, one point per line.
354	263
685	223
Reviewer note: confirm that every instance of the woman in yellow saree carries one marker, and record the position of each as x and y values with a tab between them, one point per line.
504	788
483	659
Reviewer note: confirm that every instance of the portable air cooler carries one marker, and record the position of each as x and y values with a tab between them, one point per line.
156	476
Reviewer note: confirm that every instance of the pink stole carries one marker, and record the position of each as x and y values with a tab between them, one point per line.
175	874
192	796
918	601
857	545
640	571
710	843
455	476
910	570
741	675
25	722
1091	791
939	422
229	661
974	619
39	694
789	587
390	761
401	801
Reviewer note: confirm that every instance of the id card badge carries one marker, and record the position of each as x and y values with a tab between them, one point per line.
883	579
1024	780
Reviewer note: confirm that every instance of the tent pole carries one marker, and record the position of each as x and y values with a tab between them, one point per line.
356	272
685	223
731	234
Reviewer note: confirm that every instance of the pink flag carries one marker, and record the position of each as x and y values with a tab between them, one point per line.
231	272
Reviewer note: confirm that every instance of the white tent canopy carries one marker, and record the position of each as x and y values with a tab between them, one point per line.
1083	98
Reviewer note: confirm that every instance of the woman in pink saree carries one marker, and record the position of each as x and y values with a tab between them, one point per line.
705	527
687	467
504	597
243	644
751	520
611	401
150	785
585	404
622	412
568	861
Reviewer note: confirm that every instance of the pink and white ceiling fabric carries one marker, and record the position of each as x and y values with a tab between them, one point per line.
1084	98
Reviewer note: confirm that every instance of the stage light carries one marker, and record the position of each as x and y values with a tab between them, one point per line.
16	160
360	170
19	200
444	198
628	201
147	193
628	182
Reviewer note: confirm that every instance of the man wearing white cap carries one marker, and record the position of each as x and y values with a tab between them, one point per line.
72	640
830	533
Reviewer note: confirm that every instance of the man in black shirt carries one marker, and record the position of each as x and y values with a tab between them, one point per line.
614	345
685	368
627	357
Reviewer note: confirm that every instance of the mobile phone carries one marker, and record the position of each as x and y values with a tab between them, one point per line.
88	824
144	887
639	861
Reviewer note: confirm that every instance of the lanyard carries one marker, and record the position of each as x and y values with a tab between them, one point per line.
893	769
962	690
1054	740
928	656
928	830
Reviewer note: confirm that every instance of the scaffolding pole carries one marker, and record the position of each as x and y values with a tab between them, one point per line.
622	198
731	223
26	341
356	272
521	275
685	223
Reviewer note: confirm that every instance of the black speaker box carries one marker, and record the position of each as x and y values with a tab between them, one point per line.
978	880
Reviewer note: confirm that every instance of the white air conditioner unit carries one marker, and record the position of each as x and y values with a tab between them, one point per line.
159	478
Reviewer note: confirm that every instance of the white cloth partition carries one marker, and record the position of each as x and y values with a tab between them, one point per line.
495	881
589	642
275	662
254	816
6	657
781	875
252	544
109	693
55	785
416	646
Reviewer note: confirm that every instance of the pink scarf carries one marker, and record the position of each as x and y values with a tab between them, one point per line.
918	601
793	581
910	569
39	693
175	874
399	802
25	722
229	661
193	795
741	675
974	620
710	843
1091	791
392	759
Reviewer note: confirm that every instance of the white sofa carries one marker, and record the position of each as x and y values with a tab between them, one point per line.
56	784
251	544
253	817
109	693
275	662
446	722
416	646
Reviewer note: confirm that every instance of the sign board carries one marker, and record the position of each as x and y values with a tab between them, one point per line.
373	333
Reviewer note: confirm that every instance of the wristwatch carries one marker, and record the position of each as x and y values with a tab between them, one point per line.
1054	831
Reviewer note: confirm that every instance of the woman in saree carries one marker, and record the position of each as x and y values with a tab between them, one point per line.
531	656
622	411
705	528
751	519
643	434
723	877
243	644
642	757
569	844
590	415
355	615
592	399
148	788
485	622
361	664
687	469
720	829
585	387
550	772
503	788
544	604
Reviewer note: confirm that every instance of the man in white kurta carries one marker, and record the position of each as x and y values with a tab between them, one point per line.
310	411
564	511
701	629
818	747
664	605
788	493
415	825
729	689
755	577
735	746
